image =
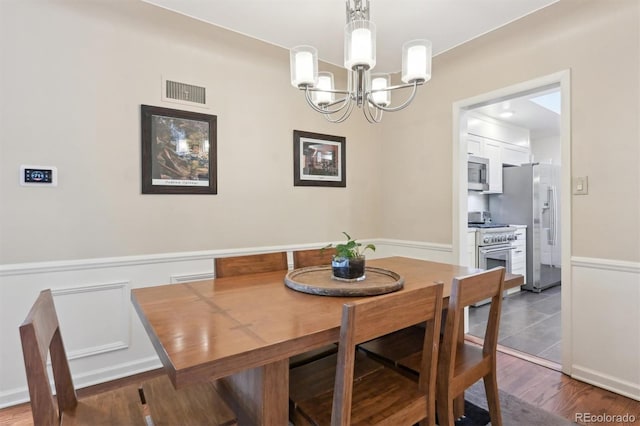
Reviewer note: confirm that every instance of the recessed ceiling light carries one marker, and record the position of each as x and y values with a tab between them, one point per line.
507	114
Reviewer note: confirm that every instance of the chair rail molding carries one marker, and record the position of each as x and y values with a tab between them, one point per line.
82	284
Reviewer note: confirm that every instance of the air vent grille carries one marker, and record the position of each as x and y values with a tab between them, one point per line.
186	92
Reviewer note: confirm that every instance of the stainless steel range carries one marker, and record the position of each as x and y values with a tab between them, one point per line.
494	235
495	248
493	240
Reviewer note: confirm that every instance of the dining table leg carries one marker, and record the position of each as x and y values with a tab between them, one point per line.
261	393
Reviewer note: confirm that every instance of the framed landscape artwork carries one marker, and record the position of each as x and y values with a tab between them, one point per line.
178	151
318	160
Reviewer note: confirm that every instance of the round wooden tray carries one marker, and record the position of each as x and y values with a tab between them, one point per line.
318	280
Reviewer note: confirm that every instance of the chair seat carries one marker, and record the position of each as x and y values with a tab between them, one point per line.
397	346
116	407
193	405
312	355
318	377
467	355
377	396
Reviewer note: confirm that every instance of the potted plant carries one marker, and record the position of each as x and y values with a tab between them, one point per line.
348	263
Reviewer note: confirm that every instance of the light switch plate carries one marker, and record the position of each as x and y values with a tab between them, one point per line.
581	185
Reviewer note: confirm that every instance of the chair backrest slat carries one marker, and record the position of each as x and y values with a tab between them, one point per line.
313	257
250	264
40	336
466	291
369	318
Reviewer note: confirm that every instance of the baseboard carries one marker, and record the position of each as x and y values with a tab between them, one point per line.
613	384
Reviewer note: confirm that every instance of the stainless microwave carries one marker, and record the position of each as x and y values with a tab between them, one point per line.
478	173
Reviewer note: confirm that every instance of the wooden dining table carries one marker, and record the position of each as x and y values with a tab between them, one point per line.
242	330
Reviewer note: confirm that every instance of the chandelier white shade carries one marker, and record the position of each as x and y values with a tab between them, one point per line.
381	82
304	66
324	96
360	45
416	61
370	92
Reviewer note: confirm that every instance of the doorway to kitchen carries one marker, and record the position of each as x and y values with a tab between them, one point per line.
520	218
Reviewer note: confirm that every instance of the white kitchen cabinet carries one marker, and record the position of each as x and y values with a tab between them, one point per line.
472	252
493	151
474	145
515	155
488	148
519	254
502	143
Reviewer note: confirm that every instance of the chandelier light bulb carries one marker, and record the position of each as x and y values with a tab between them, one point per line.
360	45
380	81
325	82
416	61
304	66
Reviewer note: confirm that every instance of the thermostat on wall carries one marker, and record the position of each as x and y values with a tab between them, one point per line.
38	176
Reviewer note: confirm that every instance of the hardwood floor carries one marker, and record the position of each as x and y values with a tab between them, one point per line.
558	393
542	387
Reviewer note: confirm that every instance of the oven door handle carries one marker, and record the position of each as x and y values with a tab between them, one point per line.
493	250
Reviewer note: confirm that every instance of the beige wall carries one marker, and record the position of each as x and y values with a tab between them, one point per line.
599	41
74	74
73	80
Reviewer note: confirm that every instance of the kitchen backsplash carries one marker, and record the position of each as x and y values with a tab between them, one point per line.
477	202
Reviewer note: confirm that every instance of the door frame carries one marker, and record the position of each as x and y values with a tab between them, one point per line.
459	178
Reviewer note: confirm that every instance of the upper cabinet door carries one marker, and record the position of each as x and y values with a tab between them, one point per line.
493	151
487	148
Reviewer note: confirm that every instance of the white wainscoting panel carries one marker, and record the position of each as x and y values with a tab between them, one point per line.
606	324
185	278
415	249
606	312
83	312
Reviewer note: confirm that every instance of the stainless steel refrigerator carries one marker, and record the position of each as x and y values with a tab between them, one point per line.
531	196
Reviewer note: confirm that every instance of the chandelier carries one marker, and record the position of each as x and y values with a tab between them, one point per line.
370	92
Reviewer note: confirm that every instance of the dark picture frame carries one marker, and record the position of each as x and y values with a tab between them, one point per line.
179	154
319	160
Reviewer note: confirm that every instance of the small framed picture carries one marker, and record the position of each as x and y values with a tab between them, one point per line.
318	160
178	151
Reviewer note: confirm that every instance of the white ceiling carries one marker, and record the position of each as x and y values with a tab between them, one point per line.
320	23
542	121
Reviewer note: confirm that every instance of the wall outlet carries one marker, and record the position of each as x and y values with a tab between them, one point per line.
581	185
38	176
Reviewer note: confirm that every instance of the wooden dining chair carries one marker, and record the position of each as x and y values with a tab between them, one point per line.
313	257
303	259
383	396
250	264
41	337
398	349
461	364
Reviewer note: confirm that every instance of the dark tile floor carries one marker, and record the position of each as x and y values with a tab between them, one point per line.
530	323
